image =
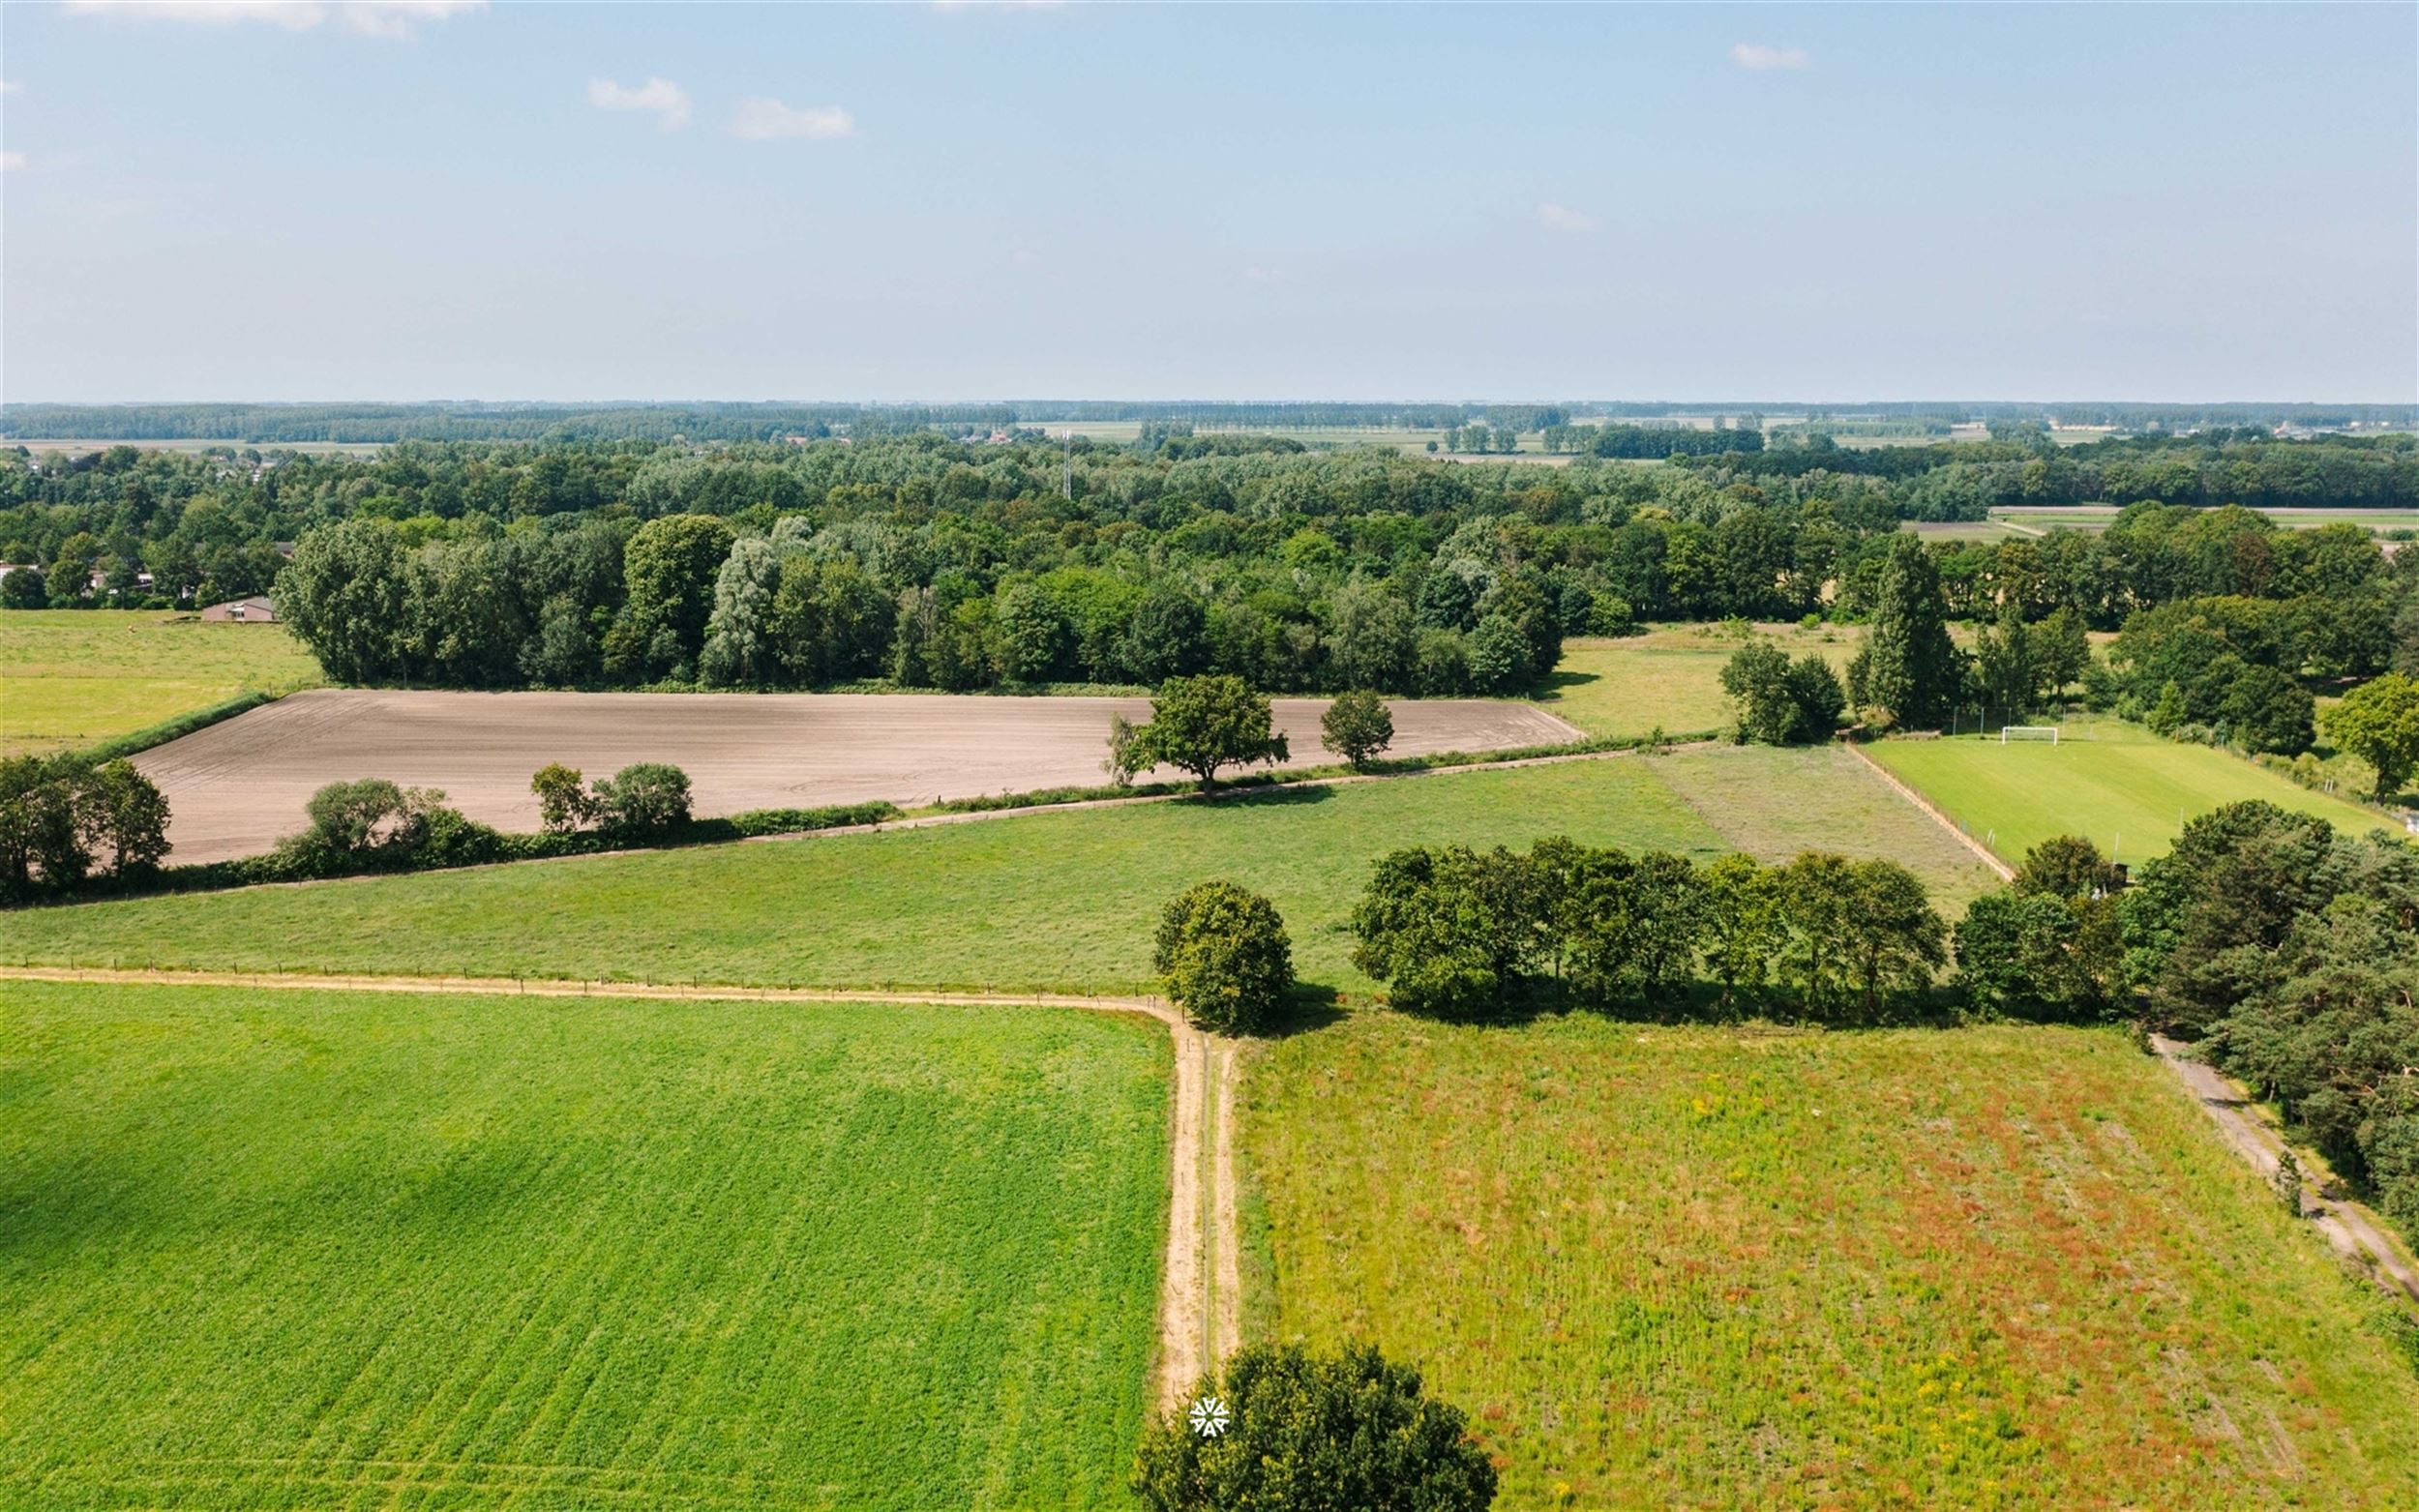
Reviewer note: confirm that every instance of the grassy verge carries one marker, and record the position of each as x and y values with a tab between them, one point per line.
1064	899
304	1250
1662	1267
179	727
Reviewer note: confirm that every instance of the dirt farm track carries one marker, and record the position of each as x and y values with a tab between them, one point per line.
236	787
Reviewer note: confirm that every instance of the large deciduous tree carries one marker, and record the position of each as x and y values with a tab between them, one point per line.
343	593
738	648
1224	957
1202	725
669	571
2378	722
1780	702
1357	727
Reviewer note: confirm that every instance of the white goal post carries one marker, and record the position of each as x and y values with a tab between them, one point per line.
2048	733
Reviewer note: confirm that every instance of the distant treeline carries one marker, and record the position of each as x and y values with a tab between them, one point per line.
720	421
942	563
1964	479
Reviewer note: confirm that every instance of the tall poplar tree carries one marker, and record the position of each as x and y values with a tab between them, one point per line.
1910	667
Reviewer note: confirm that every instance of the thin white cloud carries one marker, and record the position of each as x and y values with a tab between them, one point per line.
760	119
1758	57
668	101
10	86
363	17
1562	218
10	162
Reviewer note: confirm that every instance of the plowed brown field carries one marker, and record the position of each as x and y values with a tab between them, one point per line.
234	788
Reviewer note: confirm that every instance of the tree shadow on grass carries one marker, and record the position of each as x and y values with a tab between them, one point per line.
1310	1006
1302	793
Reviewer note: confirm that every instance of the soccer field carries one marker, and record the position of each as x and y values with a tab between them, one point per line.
2123	789
298	1249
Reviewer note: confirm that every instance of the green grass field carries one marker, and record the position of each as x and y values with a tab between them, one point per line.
1669	677
1996	1268
2123	789
1064	901
73	677
280	1248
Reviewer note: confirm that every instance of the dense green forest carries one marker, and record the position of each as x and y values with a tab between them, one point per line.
936	562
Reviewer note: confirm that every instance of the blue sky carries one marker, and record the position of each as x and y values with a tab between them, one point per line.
2157	202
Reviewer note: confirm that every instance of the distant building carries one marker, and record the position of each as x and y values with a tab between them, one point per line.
254	611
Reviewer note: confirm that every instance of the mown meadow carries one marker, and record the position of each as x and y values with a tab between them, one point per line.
76	677
269	1250
1992	1268
1057	900
1669	677
2117	784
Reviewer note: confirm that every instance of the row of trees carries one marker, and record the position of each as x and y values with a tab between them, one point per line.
1462	933
688	598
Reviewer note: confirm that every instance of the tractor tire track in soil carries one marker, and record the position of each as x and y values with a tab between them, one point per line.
1200	1272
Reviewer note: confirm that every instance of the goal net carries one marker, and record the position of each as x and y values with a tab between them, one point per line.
2008	733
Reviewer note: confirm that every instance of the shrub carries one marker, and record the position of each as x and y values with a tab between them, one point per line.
646	797
1307	1432
1224	957
24	588
564	805
345	816
1358	726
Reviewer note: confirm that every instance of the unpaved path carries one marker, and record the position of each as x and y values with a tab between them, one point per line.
2349	1228
1199	1277
2348	1225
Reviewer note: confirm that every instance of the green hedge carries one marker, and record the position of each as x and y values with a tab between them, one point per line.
457	841
177	728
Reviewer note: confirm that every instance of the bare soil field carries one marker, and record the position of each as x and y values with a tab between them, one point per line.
235	789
